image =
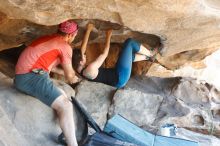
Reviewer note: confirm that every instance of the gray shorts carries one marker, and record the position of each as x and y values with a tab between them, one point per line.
37	85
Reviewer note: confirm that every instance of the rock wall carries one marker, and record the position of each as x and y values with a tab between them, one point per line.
189	30
185	25
205	71
152	102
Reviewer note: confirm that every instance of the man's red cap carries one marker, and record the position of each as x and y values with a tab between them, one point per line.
68	27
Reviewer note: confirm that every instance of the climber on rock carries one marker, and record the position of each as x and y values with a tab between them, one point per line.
33	68
118	76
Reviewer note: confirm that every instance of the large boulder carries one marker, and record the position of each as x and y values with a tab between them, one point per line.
27	121
138	107
185	102
9	133
96	98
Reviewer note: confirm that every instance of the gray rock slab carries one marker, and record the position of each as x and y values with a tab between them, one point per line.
9	134
193	93
202	139
33	120
96	99
138	107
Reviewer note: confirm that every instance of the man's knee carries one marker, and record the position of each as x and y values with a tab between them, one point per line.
62	91
62	104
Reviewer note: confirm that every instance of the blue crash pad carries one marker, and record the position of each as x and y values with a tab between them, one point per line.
124	130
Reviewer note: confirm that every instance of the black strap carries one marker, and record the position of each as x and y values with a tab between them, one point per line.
86	115
61	139
87	118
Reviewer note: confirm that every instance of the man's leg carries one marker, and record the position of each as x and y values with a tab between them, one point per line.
41	87
64	109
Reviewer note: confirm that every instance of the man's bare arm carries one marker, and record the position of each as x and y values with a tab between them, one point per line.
57	71
70	74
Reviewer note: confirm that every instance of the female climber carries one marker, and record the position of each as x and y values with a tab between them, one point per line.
118	76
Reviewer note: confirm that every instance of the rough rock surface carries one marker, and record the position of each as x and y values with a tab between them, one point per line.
96	99
173	20
189	30
137	106
209	74
185	102
204	140
157	101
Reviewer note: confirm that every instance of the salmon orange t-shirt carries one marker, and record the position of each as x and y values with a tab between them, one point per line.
44	53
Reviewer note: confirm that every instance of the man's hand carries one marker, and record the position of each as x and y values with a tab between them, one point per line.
70	75
75	80
57	71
